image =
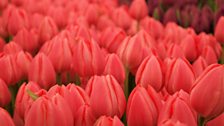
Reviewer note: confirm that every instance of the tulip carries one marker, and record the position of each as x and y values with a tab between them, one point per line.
49	111
172	123
87	58
104	22
113	61
84	116
138	9
12	48
111	38
3	4
5	118
59	52
4	93
47	29
179	75
150	72
78	31
177	108
219	33
134	49
170	15
112	101
199	66
142	109
17	20
209	54
24	100
2	44
175	51
108	121
26	40
42	71
208	88
218	121
92	13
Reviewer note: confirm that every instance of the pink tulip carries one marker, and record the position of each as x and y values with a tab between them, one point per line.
138	9
112	101
175	51
199	66
142	107
3	4
47	29
42	71
179	75
209	54
49	111
26	40
150	72
5	118
177	108
206	96
84	116
113	61
2	44
4	93
219	31
218	121
111	38
108	121
12	48
87	58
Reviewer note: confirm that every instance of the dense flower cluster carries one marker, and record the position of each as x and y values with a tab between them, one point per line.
101	63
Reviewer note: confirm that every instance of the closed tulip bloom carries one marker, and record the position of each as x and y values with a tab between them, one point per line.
207	95
42	71
175	51
177	108
199	66
87	58
12	48
26	40
84	116
113	61
150	72
108	121
142	110
2	44
4	93
59	52
138	9
5	118
112	100
218	30
3	4
218	121
209	54
47	29
49	112
179	75
57	12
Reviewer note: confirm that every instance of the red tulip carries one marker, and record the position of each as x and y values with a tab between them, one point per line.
3	4
175	51
172	123
218	121
108	121
112	100
199	66
12	48
49	111
150	72
219	33
179	75
113	61
206	96
42	71
4	93
84	116
87	58
138	9
209	54
5	118
2	44
142	107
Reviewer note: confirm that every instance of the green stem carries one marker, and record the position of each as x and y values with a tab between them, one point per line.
58	79
77	79
201	121
126	83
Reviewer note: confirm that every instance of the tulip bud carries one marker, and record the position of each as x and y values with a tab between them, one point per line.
84	116
5	118
111	38
57	12
12	48
142	109
206	96
4	93
138	9
112	101
209	54
47	29
113	61
49	111
177	108
2	44
42	71
150	72
87	58
199	66
59	52
175	51
26	40
3	4
218	121
219	33
108	121
179	75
